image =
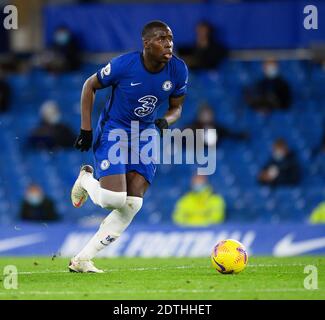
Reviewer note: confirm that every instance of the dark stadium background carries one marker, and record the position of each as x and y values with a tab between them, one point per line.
267	220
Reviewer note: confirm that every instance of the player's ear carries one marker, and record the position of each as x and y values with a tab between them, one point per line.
145	43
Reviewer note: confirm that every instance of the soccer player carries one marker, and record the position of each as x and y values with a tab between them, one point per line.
141	82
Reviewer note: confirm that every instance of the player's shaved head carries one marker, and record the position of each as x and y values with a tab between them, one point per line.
157	40
149	29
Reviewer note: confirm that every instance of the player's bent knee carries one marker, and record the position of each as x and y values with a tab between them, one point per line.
130	209
111	199
132	204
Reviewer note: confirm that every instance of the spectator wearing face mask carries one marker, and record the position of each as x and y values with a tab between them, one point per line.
207	52
51	132
271	92
205	119
64	54
67	49
282	169
200	206
36	206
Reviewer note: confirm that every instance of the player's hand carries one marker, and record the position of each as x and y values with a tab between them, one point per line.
84	140
161	124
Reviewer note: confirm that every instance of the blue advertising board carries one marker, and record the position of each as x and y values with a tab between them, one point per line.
163	241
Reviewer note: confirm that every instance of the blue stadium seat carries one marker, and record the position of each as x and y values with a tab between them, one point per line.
237	163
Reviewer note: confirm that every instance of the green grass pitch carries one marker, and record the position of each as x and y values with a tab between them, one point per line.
169	278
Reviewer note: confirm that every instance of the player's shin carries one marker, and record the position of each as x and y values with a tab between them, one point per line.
111	228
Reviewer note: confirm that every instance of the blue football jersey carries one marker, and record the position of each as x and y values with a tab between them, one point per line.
138	93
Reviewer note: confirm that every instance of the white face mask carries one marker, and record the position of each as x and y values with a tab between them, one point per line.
62	37
197	187
50	113
34	199
271	71
53	118
278	154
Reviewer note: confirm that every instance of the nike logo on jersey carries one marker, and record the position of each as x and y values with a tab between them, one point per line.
135	84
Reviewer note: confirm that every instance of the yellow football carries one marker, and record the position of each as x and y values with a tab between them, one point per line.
229	256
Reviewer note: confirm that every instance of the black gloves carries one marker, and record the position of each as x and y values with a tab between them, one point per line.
161	124
84	140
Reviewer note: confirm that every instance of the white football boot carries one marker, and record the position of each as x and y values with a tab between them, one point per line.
78	194
83	266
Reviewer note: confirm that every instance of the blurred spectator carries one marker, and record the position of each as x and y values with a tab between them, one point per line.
282	169
271	92
200	206
64	53
318	214
51	133
5	93
36	206
207	53
205	119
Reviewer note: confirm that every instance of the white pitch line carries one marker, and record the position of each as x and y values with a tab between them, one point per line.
277	265
115	270
154	291
166	268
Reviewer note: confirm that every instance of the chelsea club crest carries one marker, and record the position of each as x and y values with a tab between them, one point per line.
104	164
167	85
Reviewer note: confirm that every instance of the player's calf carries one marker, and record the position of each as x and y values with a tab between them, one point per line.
118	220
111	228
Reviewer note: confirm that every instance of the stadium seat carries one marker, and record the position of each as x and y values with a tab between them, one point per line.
237	163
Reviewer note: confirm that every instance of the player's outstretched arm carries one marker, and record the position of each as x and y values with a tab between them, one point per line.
84	140
173	113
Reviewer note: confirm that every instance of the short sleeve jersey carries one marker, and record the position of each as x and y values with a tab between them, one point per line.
138	93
